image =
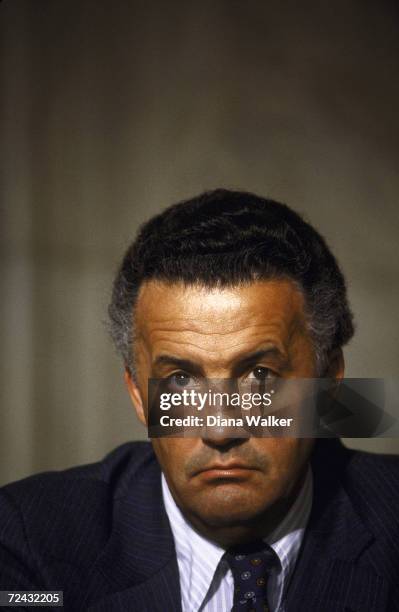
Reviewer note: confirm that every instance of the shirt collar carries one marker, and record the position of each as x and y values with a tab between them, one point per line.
199	556
287	537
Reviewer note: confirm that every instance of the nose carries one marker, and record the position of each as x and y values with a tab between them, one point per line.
221	438
223	445
223	428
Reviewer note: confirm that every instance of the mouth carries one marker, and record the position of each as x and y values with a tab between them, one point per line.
225	471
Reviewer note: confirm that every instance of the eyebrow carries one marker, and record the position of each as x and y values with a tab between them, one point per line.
183	364
271	351
249	359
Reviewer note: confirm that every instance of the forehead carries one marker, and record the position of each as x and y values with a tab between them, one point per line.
176	316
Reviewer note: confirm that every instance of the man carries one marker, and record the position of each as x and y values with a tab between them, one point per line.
227	285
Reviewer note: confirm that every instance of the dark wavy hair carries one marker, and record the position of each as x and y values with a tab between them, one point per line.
227	238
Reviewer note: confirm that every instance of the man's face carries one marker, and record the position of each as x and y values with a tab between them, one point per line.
242	332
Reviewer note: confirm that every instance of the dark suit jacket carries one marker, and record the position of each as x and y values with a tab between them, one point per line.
100	533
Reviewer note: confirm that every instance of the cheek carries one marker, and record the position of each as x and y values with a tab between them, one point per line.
286	457
172	454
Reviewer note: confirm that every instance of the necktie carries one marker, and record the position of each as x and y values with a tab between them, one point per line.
250	565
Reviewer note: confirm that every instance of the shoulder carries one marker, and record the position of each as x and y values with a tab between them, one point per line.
112	473
381	464
364	473
74	505
372	481
369	480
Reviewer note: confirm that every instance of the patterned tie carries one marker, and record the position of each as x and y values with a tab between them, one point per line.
250	565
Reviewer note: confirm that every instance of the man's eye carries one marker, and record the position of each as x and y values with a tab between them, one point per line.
181	380
260	373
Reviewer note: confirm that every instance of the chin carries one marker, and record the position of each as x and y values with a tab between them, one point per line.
227	506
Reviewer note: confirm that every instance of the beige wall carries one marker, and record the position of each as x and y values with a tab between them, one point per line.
111	111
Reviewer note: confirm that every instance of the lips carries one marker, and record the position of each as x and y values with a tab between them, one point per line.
225	471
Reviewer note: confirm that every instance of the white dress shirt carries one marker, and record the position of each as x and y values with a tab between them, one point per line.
206	581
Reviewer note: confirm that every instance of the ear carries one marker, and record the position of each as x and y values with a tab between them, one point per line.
336	365
335	371
135	396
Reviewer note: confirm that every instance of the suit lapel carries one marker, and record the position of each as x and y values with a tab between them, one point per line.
138	568
328	576
159	593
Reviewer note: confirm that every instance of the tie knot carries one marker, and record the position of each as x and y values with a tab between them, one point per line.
257	552
250	565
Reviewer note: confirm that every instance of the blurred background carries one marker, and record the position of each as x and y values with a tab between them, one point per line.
111	111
